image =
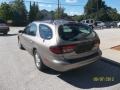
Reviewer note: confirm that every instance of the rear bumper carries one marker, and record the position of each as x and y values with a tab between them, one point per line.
64	65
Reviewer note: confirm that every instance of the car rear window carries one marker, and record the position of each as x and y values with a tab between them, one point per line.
73	32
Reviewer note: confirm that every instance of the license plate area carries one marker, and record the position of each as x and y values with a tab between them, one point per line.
84	47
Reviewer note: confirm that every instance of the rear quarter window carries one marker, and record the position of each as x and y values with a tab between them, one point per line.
45	32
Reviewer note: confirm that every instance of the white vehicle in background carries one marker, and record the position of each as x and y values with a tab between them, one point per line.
100	24
89	22
118	24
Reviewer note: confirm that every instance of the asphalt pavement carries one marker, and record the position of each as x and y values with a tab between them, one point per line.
18	71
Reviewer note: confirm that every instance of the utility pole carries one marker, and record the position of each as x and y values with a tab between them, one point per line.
58	9
97	9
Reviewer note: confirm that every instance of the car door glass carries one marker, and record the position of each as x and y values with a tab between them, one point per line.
45	32
26	30
32	30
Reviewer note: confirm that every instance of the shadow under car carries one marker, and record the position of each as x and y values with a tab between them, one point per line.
96	75
8	35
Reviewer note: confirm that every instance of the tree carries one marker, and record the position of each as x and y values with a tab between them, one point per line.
19	13
93	6
98	10
46	15
34	13
5	11
78	17
61	12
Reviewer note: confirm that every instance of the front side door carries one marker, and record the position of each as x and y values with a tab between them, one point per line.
28	36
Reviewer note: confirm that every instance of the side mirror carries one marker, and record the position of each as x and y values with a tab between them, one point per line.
21	31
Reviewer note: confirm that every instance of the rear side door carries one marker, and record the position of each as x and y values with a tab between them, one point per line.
46	38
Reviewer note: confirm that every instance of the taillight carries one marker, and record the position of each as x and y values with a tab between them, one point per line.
62	49
56	50
68	48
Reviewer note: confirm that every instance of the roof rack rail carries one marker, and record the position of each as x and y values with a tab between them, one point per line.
48	21
59	21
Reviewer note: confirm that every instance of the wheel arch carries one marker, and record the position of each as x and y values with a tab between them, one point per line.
33	50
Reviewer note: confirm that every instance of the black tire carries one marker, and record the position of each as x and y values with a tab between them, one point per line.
5	33
20	45
38	61
119	26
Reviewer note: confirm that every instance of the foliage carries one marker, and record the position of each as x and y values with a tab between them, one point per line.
19	13
5	11
94	9
61	14
98	10
34	13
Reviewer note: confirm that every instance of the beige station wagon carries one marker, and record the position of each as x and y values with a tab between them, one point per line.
60	45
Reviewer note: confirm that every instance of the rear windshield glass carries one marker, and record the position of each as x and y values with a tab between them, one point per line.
73	32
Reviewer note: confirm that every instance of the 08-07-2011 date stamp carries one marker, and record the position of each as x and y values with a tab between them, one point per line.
103	79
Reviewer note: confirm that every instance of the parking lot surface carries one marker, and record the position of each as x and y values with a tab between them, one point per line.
18	72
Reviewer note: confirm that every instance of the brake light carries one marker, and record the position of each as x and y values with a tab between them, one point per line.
68	48
62	49
56	50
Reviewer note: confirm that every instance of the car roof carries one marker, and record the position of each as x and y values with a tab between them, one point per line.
55	22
